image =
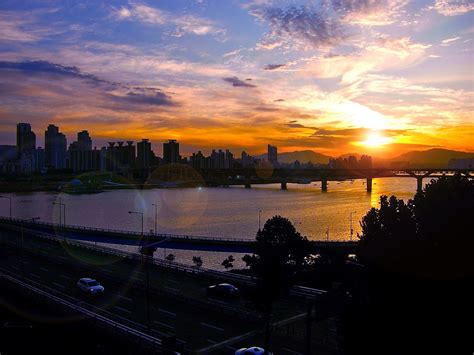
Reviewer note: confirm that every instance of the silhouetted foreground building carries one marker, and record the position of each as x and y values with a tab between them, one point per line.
171	152
126	157
55	144
272	155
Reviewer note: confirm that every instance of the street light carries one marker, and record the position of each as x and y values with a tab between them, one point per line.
259	213
146	273
352	230
62	217
156	217
9	197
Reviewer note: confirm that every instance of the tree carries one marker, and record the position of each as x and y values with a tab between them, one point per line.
170	257
228	262
278	250
433	227
197	261
416	287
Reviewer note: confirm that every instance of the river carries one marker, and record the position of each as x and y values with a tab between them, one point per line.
219	212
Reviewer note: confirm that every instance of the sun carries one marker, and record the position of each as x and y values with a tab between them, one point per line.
375	139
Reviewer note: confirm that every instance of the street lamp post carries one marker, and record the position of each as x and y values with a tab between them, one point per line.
259	213
9	197
62	217
352	230
156	217
146	273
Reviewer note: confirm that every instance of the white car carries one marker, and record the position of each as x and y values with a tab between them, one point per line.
254	350
90	286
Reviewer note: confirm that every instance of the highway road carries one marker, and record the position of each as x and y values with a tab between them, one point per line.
172	309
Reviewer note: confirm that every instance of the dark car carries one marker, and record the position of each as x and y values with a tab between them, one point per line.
223	291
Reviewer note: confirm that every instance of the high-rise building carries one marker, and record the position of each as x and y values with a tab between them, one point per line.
120	156
81	156
229	159
171	152
84	140
273	155
55	144
25	139
365	162
144	154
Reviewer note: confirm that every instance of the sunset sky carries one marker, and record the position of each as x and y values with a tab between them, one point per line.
335	76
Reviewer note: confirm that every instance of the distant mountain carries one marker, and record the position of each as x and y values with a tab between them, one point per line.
432	158
303	156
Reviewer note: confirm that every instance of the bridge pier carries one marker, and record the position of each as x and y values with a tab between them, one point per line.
419	184
324	185
369	184
283	185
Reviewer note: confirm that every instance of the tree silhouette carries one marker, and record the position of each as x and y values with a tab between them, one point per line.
197	261
278	250
228	262
428	235
415	290
170	257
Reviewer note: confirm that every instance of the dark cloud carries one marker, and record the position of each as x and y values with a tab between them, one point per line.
300	26
236	82
120	96
295	124
278	100
266	108
52	69
157	99
274	66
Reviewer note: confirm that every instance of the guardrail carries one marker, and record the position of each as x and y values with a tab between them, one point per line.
58	227
123	232
228	309
299	291
80	307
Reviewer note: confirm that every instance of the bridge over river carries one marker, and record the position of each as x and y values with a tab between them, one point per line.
183	242
283	176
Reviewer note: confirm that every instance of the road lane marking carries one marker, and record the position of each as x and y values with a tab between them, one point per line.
106	270
172	289
123	309
44	269
58	285
167	312
163	324
211	341
65	277
39	277
15	267
291	351
173	281
212	326
125	298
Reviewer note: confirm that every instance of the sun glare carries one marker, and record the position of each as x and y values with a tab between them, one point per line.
375	139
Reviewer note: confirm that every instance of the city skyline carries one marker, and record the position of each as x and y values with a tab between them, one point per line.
335	77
